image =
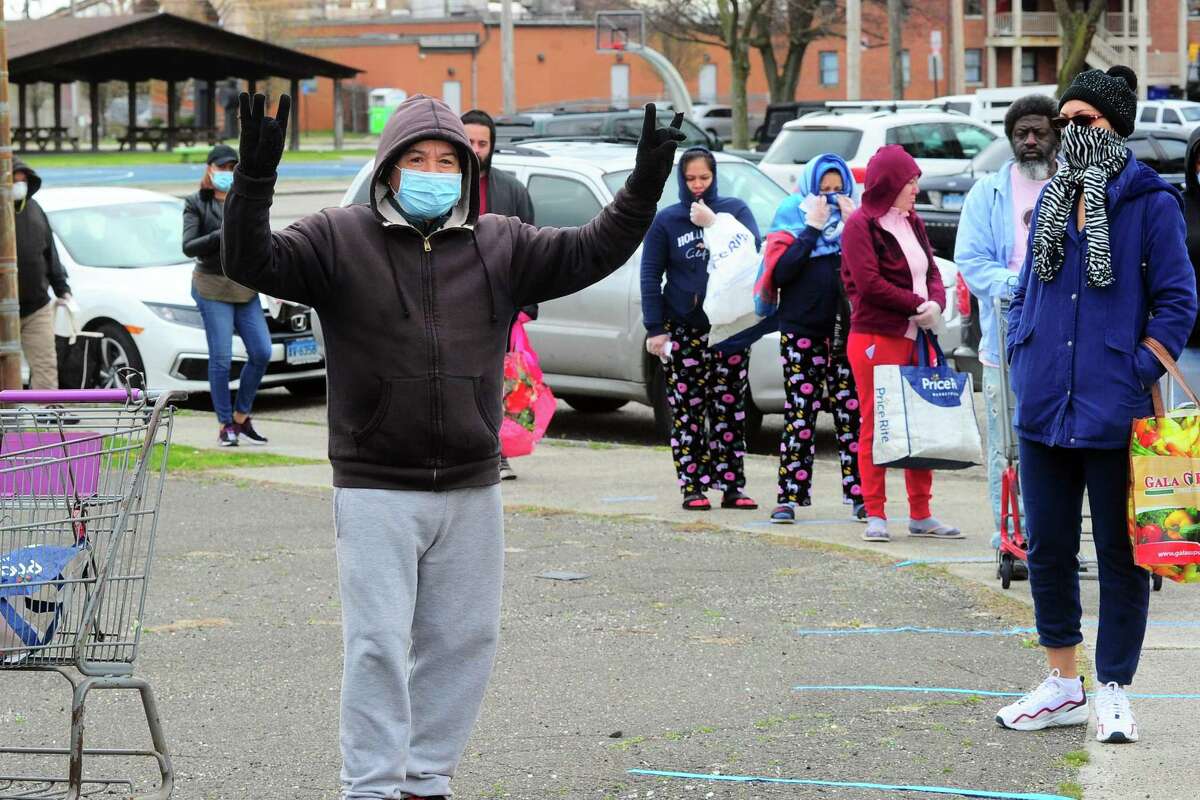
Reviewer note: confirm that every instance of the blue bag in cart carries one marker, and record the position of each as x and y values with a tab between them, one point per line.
36	584
925	415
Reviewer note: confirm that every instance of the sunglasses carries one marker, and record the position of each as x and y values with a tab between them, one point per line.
1080	120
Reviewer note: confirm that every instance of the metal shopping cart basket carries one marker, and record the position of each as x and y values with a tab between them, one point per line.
80	487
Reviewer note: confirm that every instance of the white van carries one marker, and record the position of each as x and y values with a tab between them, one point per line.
989	105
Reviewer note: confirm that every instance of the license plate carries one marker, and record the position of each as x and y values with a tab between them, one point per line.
952	201
302	351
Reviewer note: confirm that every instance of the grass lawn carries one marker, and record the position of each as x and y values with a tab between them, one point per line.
192	459
138	158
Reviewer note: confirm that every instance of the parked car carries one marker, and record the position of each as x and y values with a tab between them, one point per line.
778	115
1168	115
943	143
123	252
592	344
989	105
716	121
598	125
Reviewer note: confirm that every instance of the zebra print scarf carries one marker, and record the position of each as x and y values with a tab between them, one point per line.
1093	155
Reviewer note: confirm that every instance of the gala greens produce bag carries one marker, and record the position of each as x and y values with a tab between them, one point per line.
1164	484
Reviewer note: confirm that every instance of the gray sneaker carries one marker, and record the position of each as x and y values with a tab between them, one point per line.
876	531
506	472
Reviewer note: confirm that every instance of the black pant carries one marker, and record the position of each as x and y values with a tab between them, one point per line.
1052	484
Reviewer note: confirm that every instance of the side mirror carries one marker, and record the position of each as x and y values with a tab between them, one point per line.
716	145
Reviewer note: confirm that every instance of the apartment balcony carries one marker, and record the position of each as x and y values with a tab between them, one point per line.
1033	24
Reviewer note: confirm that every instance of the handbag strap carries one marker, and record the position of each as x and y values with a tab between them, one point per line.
925	342
1164	358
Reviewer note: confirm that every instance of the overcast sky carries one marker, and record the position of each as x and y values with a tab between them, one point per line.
15	9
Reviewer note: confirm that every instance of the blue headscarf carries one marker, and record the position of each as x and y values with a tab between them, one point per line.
790	215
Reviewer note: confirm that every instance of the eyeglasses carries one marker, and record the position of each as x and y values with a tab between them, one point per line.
1081	120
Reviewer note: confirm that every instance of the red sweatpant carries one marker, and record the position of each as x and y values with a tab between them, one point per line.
866	351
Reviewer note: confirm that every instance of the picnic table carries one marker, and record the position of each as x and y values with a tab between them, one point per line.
185	135
43	136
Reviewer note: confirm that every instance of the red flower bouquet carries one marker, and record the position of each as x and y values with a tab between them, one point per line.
528	402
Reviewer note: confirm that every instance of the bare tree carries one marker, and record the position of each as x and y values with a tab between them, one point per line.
1078	29
801	22
730	24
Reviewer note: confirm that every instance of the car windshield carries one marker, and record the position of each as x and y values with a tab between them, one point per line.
735	179
123	235
799	145
992	157
1191	113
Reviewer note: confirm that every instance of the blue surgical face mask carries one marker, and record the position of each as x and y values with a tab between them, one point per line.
222	181
428	195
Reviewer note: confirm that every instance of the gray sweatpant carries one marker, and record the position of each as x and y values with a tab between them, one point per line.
420	576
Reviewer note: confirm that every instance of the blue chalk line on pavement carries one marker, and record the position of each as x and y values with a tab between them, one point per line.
762	523
911	629
975	692
630	499
947	790
912	562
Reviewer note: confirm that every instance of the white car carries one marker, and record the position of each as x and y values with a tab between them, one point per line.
717	121
1168	115
943	143
123	253
591	344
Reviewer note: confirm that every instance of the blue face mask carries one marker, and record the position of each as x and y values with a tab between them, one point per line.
428	195
222	181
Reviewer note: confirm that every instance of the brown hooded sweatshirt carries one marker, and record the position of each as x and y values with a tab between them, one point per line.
416	327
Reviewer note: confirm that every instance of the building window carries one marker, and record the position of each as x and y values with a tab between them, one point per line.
1194	8
974	8
973	65
829	68
906	67
1029	72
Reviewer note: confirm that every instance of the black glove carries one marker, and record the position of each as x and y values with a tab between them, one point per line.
655	155
263	138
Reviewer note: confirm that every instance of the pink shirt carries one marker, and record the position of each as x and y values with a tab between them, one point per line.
1024	196
896	223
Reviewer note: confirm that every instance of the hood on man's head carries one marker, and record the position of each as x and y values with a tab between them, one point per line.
815	169
685	194
887	172
418	118
32	178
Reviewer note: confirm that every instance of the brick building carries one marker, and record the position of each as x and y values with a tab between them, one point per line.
1004	43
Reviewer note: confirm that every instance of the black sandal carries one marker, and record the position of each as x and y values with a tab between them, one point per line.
696	502
739	500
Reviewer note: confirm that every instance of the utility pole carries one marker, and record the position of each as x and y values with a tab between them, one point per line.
895	46
853	49
10	309
507	70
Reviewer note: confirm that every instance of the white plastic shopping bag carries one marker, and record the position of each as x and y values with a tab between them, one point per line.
732	268
924	416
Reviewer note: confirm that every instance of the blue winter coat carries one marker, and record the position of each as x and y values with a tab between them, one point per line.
675	246
1079	370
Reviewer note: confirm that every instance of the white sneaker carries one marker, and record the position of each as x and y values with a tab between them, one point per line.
1058	701
1114	719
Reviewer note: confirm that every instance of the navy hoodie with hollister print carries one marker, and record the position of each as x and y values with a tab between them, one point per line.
675	246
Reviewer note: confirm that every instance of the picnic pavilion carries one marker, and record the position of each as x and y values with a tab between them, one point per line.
153	46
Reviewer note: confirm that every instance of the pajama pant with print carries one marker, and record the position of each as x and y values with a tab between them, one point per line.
808	365
707	393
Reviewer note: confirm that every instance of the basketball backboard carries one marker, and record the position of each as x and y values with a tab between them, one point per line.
620	30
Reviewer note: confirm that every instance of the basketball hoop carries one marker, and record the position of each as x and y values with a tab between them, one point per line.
619	31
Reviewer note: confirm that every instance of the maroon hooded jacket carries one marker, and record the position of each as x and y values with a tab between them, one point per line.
874	268
416	326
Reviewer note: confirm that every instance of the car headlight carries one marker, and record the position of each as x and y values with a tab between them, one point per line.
180	315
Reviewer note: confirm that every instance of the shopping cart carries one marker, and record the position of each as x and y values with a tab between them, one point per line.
1011	553
80	485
